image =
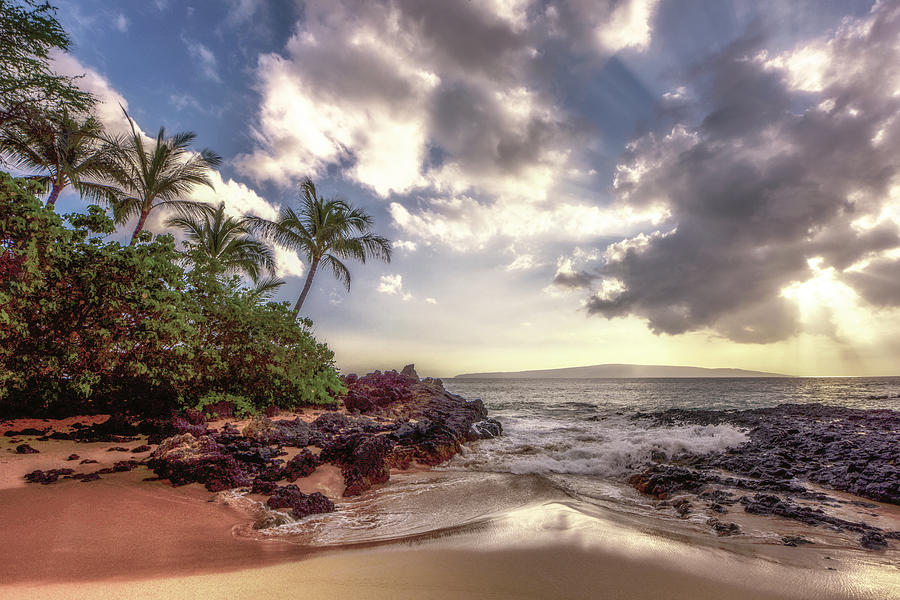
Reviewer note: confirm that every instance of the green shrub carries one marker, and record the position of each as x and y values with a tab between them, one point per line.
89	325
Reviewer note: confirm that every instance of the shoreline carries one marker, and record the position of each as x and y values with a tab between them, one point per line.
548	551
123	537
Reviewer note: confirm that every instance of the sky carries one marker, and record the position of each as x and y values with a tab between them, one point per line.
709	183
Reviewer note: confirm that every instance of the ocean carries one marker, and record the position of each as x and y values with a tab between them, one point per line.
576	442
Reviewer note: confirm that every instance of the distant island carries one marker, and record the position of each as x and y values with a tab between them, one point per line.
619	372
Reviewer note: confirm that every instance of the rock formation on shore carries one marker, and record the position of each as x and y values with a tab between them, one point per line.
845	449
392	420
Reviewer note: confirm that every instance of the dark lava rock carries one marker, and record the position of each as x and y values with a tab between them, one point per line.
264	487
26	449
301	504
46	477
86	477
28	431
723	529
379	389
73	457
683	507
302	465
793	540
186	421
297	433
184	459
363	459
87	461
873	540
853	450
140	449
489	428
118	449
663	480
117	429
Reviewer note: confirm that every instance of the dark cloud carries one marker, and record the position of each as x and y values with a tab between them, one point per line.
771	177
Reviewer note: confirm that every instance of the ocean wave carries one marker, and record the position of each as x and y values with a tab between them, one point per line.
608	448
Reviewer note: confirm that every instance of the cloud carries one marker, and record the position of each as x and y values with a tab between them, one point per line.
204	59
120	22
789	152
463	223
109	101
523	262
446	101
393	285
431	300
404	245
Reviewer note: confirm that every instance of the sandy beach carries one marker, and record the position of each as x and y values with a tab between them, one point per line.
122	537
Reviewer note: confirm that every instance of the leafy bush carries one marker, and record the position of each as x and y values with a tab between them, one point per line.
87	325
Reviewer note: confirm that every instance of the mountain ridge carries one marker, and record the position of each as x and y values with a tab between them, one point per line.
619	371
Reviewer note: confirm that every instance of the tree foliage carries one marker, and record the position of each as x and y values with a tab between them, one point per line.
326	232
29	32
88	325
215	235
158	175
62	150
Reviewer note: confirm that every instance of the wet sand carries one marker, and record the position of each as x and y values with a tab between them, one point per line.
122	537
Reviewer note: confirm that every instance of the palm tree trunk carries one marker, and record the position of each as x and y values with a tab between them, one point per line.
54	194
306	286
139	228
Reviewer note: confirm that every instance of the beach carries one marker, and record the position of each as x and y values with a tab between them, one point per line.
123	537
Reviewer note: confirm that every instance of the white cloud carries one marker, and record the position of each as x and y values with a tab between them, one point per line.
108	108
390	284
393	285
463	223
120	22
404	245
628	26
205	59
523	262
431	300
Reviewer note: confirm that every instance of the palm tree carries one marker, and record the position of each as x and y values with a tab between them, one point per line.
326	232
264	288
66	151
159	175
225	239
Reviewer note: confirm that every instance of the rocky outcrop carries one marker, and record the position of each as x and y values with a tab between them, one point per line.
396	419
846	449
301	505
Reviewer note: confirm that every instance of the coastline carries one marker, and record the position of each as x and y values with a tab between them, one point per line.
543	551
486	535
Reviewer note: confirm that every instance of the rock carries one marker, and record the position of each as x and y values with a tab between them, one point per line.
140	449
848	449
873	540
73	457
118	449
86	477
47	477
683	507
184	459
301	504
187	421
26	449
723	529
793	540
301	465
409	371
29	431
87	461
488	428
264	487
117	429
